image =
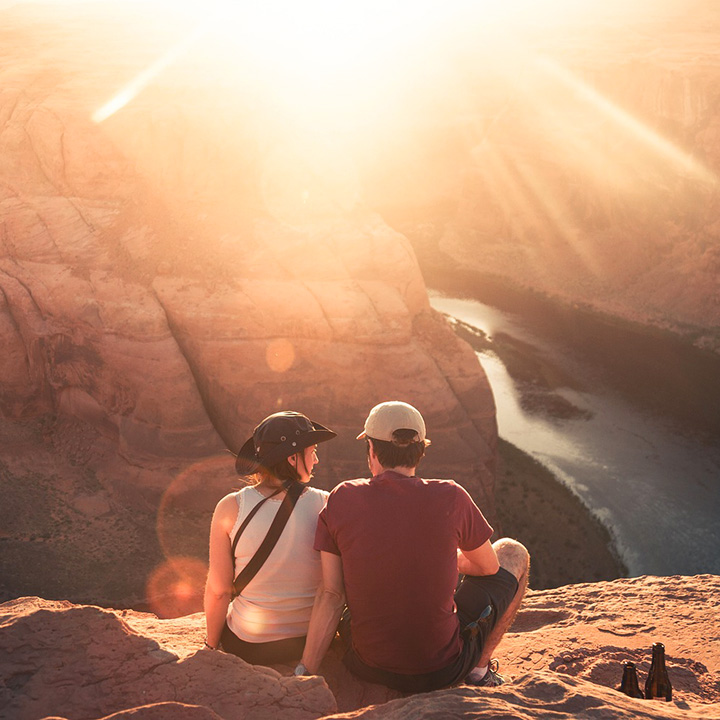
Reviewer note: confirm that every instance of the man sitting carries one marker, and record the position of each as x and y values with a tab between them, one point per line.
393	546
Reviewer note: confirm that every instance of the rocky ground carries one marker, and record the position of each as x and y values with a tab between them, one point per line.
563	656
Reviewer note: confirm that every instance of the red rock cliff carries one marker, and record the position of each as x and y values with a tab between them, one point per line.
169	276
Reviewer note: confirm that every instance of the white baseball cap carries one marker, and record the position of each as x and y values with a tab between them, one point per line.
384	419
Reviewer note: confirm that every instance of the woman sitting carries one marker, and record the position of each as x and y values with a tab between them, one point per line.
267	619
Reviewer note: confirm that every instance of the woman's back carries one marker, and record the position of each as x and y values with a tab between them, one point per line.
278	601
281	572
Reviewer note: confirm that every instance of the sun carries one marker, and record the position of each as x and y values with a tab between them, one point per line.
324	53
319	39
327	80
319	36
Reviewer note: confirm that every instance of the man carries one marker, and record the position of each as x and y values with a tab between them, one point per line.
393	546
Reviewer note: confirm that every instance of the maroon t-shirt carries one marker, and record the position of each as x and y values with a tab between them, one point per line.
398	538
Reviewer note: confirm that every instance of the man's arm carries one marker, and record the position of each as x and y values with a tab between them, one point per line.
329	604
220	574
482	560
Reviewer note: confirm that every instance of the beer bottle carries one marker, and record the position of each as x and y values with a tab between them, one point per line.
657	685
629	684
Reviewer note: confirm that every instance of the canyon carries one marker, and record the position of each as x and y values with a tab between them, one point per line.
580	163
181	254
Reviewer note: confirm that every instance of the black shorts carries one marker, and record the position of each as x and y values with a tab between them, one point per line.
286	651
480	601
474	596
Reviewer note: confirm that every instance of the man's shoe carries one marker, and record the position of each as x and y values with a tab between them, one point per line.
491	678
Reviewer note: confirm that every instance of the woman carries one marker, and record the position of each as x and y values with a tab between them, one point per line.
267	622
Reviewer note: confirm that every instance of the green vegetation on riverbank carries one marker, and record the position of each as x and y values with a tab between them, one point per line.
567	544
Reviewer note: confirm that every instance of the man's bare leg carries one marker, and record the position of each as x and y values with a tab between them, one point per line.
514	557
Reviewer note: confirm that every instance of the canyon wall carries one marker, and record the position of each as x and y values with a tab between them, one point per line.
172	270
183	251
580	160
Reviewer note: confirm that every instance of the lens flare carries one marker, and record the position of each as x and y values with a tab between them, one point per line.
185	510
143	79
280	355
176	587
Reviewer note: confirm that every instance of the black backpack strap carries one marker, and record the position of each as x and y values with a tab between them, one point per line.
247	520
270	540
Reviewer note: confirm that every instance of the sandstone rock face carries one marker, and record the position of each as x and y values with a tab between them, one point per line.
166	711
169	275
531	696
354	332
564	656
85	662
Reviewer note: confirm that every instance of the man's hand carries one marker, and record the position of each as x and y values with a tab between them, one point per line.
481	561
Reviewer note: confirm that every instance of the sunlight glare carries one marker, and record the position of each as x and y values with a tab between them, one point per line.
683	163
318	36
324	55
175	588
143	79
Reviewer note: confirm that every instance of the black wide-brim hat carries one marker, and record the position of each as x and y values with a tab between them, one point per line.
278	437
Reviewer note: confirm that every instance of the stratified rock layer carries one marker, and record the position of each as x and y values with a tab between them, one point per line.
563	656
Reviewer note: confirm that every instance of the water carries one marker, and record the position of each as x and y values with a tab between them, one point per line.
640	445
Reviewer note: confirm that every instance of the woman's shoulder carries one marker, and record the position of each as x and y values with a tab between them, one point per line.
315	495
229	500
226	510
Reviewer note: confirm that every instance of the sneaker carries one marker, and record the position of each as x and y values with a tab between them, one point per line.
491	678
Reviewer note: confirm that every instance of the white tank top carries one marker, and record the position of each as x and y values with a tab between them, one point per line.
277	602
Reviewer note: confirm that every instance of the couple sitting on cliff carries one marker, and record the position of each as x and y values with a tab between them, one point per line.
375	560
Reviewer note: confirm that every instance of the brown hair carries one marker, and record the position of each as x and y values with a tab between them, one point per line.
283	471
405	450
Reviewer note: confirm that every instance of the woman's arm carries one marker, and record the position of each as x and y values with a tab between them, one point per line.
218	588
329	604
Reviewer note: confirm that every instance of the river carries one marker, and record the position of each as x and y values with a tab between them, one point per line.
629	421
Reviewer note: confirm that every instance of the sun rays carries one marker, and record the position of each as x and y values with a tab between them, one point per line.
137	84
333	75
555	132
680	161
